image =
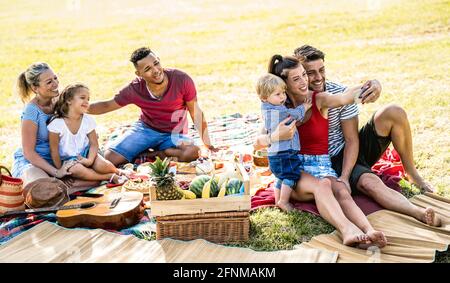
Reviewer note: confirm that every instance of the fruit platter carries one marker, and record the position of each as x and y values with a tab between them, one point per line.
197	187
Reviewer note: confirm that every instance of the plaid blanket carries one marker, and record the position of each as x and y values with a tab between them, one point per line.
234	132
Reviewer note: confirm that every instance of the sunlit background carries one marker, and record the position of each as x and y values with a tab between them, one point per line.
225	45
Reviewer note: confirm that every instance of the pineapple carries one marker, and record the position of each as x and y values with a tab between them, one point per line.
166	187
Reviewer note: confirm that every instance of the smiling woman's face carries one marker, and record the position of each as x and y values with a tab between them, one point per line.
297	81
48	84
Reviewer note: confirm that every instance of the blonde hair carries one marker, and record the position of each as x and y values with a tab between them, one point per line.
30	78
267	84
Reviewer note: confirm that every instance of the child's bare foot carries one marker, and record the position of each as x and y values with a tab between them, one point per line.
429	217
377	238
285	206
354	237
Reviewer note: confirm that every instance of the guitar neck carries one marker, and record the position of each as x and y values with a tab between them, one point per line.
46	209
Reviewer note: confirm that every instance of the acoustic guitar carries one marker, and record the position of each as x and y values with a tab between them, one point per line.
112	211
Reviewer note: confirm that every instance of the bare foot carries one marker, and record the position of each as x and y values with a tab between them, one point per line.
377	238
285	206
430	218
356	238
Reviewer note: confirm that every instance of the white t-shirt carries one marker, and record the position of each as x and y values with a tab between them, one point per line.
71	145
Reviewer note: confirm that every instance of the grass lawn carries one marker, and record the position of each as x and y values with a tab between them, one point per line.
225	46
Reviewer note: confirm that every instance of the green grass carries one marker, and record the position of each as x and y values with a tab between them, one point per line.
225	46
271	229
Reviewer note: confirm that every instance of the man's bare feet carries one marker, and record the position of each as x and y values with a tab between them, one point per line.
285	206
429	217
377	238
354	237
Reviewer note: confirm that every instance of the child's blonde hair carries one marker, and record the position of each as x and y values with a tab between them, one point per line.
267	84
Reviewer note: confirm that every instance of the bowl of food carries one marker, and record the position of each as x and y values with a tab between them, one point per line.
260	158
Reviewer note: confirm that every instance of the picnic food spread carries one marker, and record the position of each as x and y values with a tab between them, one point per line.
179	180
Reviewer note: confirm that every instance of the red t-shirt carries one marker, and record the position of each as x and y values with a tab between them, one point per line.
168	114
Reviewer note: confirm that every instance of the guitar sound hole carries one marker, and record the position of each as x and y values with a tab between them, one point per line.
88	205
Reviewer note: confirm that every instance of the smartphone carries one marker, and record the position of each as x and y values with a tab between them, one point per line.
362	92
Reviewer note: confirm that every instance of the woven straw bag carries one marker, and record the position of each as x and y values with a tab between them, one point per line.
11	189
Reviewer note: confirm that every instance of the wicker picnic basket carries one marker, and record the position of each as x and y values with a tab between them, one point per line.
217	219
216	227
11	190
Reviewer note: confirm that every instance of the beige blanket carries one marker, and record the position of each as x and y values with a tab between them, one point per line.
409	239
48	242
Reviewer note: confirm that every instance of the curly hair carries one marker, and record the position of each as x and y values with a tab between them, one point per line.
140	54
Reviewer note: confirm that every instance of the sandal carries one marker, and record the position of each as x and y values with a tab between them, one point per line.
121	179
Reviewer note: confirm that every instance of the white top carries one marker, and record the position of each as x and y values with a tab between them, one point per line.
69	144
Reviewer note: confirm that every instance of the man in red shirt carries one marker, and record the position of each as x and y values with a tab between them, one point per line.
164	97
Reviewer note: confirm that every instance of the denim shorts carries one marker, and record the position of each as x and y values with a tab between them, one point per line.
318	166
141	137
285	165
21	164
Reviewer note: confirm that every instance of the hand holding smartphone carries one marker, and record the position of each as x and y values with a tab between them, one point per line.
360	95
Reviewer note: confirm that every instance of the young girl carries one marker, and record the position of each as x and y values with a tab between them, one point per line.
72	138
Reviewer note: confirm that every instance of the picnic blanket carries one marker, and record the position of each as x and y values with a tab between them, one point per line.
409	240
48	242
389	168
235	132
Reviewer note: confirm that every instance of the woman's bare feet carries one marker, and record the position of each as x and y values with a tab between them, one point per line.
285	206
377	238
354	237
429	217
